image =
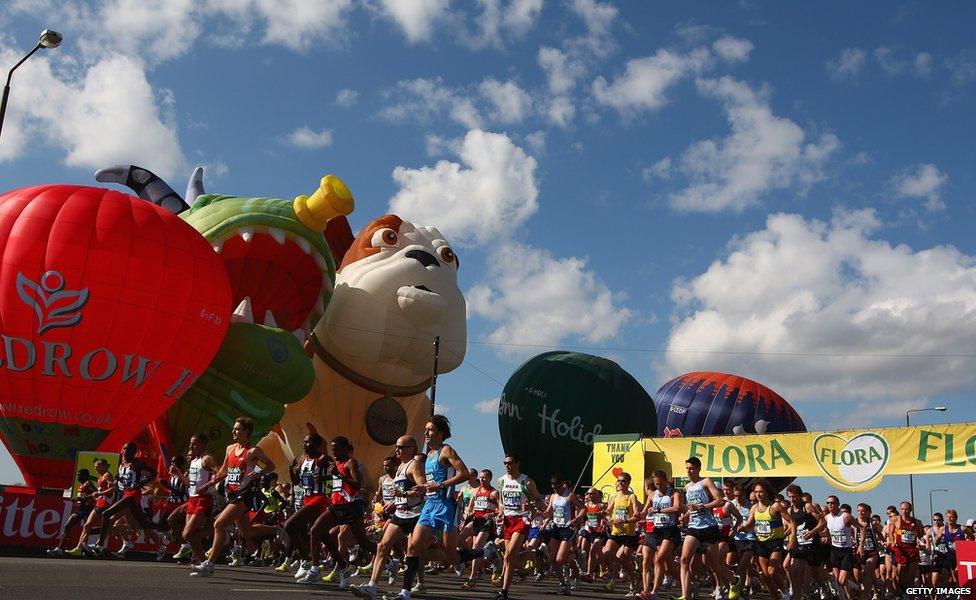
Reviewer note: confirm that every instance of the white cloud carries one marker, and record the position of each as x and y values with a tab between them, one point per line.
536	141
646	81
659	170
487	407
824	311
499	20
535	298
962	67
490	101
347	97
103	115
848	65
487	196
762	153
732	49
510	103
416	18
924	181
889	64
924	64
309	139
156	29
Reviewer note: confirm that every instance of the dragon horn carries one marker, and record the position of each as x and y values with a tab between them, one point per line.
146	184
194	187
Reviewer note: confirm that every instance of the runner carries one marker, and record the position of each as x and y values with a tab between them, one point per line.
729	519
518	493
104	497
840	526
443	470
805	555
702	496
906	531
134	474
565	509
594	533
314	478
240	474
173	513
622	510
662	535
745	540
869	537
465	492
347	507
774	527
84	505
484	510
408	499
200	501
952	533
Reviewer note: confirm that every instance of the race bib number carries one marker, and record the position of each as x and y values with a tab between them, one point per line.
801	530
908	536
234	476
942	548
661	520
764	528
837	537
621	513
481	503
512	500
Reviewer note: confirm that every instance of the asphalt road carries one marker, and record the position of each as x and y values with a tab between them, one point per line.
37	578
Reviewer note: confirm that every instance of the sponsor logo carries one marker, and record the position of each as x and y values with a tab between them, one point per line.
852	463
680	410
54	305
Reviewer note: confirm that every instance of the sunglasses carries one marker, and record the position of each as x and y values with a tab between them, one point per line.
508	462
831	502
622	481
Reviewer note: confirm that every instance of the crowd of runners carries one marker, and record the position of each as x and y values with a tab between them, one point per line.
430	514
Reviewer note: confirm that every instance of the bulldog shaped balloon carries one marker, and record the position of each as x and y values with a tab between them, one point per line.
395	291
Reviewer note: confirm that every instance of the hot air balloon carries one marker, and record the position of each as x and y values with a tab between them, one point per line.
556	402
110	307
708	403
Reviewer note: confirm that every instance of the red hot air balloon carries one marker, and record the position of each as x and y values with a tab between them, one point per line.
110	307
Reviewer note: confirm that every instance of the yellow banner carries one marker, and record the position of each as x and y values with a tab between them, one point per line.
851	460
616	454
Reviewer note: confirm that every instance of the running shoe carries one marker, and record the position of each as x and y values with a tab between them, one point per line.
400	596
345	575
202	570
539	577
55	552
310	577
184	552
418	588
608	586
332	577
501	595
364	571
364	591
284	567
786	595
562	590
469	584
235	561
574	584
75	552
391	579
126	546
735	591
459	570
302	570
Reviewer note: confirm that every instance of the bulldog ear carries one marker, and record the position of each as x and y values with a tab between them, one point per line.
339	236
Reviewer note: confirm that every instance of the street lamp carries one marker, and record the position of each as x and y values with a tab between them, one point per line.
49	39
908	423
932	512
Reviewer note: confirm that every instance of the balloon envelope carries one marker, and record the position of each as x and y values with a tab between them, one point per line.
556	402
710	403
110	307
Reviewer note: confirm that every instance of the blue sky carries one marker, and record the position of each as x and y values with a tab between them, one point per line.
770	189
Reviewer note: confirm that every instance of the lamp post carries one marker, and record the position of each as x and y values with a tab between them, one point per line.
908	423
931	511
49	39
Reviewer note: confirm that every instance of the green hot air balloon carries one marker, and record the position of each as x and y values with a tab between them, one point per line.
556	402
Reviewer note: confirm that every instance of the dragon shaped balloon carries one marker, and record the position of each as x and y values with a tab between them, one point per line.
311	347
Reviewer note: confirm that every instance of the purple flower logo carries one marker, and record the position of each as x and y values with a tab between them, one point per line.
54	305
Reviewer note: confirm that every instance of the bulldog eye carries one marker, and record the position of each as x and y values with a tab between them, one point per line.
447	255
385	237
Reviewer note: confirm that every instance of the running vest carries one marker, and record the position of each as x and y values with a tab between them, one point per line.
238	472
906	536
178	493
744	513
596	517
128	478
768	527
723	518
104	484
484	506
343	492
661	501
314	479
515	496
840	534
561	510
870	543
197	477
621	510
946	543
387	490
697	494
438	473
466	492
271	502
804	522
407	507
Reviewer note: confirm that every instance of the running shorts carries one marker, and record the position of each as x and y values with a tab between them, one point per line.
629	541
438	515
242	496
483	525
135	494
654	538
767	548
562	534
841	558
705	535
594	536
514	525
199	505
319	501
349	513
407	525
905	554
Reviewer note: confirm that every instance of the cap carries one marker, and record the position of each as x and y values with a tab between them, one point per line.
970	522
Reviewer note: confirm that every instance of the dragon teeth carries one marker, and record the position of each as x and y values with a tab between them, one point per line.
269	319
278	235
246	234
243	313
217	247
320	263
303	244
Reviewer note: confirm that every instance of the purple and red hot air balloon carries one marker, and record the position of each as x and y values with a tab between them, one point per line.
709	403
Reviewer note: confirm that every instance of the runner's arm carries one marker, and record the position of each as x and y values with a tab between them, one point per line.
717	497
259	456
735	514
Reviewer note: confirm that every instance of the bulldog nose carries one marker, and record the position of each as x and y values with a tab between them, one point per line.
423	257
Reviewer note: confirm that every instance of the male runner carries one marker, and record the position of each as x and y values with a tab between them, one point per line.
662	536
443	470
314	478
174	511
134	474
199	503
483	508
840	526
906	532
240	473
84	505
622	511
408	498
702	496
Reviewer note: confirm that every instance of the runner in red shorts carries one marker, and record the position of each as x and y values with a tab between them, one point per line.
134	474
314	476
173	513
518	492
906	533
200	502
